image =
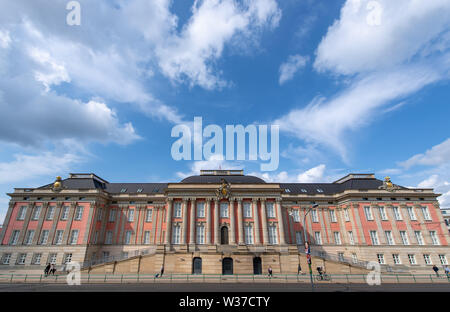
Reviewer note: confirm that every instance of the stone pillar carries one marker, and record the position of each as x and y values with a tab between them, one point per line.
185	223
192	223
208	221
256	218
264	221
168	221
141	216
216	222
155	214
280	222
7	220
232	223
240	223
92	220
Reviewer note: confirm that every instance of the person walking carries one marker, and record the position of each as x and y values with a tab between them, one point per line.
447	271
52	269
269	270
47	269
436	269
299	269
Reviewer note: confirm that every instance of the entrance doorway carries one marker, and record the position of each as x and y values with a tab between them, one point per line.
227	266
257	267
224	235
197	265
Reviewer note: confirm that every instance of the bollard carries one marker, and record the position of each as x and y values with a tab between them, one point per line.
25	278
121	279
40	279
11	278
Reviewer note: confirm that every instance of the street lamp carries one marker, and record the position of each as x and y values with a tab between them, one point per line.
307	247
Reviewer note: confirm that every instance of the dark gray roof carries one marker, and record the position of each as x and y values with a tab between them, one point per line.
205	179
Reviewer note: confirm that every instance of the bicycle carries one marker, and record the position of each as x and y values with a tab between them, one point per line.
323	277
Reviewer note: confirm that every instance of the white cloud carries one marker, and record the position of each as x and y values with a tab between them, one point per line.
191	55
437	155
291	66
5	39
382	65
213	163
312	175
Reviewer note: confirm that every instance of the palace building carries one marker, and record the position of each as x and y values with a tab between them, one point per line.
223	222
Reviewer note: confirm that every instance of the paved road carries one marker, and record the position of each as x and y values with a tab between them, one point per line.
229	287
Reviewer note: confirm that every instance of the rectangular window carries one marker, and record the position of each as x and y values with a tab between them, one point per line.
149	215
299	238
248	230
380	258
412	259
317	238
419	237
383	215
29	237
108	239
341	256
333	216
337	238
51	212
411	213
434	238
270	210
65	213
99	215
59	237
426	213
351	238
6	258
224	210
96	237
346	215
44	237
200	234
147	237
52	258
67	258
397	213
427	259
14	237
112	215
315	217
105	255
79	213
21	258
247	210
368	213
130	215
443	259
200	210
273	235
176	234
36	258
74	237
389	238
396	258
374	237
354	258
296	215
127	237
36	213
22	212
177	210
404	237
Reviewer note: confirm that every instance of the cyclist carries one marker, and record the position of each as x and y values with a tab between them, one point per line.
320	271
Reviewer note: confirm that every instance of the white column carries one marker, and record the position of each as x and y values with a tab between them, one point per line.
256	218
216	222
232	223
280	222
240	223
208	221
168	221
192	217
264	221
184	233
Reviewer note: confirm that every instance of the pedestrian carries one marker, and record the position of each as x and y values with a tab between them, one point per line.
47	269
53	269
436	269
162	271
299	269
447	271
269	270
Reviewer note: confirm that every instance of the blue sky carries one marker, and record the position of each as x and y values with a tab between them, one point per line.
355	86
